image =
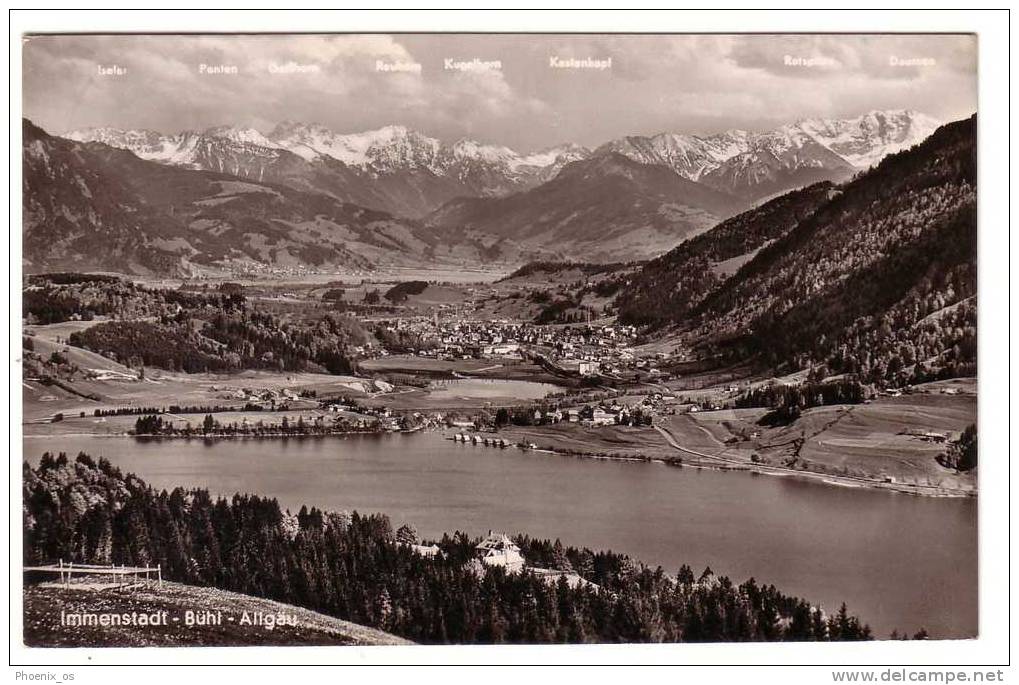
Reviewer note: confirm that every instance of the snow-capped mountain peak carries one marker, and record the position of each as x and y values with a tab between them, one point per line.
468	149
379	150
150	145
554	156
114	137
865	140
740	160
240	134
689	156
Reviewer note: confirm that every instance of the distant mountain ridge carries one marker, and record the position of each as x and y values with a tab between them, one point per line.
404	172
756	165
92	206
392	169
605	208
302	196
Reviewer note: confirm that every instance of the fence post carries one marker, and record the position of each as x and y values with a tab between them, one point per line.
159	570
67	582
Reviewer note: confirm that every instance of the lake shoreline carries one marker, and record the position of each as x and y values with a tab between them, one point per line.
585	447
763	470
722	466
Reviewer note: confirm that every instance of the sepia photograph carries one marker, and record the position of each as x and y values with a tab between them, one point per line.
415	338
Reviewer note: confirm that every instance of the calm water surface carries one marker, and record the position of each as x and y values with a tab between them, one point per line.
898	561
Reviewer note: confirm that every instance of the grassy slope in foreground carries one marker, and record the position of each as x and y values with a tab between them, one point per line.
44	604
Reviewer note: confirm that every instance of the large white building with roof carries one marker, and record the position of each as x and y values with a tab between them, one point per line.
498	550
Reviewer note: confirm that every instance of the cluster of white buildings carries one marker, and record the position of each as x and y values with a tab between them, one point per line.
581	348
268	397
497	550
605	414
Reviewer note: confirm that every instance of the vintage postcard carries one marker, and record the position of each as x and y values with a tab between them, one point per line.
354	339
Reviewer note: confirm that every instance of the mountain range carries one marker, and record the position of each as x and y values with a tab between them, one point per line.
89	206
757	165
406	173
392	169
300	196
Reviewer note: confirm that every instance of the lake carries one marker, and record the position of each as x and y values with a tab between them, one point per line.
898	561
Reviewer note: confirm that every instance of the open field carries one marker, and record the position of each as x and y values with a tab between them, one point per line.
621	442
41	402
46	603
409	363
161	389
880	442
505	368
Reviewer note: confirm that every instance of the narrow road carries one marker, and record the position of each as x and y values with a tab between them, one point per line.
672	443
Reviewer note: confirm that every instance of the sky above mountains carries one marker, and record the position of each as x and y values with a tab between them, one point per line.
524	91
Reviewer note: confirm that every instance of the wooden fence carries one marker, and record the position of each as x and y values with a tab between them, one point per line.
121	574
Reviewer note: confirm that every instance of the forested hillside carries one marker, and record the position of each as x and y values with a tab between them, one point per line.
876	277
231	339
355	567
668	287
880	281
216	331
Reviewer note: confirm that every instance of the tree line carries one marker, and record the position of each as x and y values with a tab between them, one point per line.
352	566
787	402
156	425
176	409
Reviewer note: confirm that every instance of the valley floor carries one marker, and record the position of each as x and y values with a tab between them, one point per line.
885	443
